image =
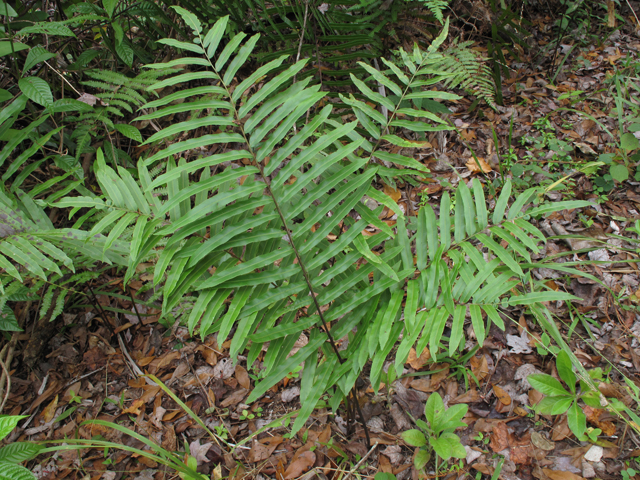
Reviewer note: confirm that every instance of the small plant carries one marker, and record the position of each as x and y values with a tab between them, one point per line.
15	453
558	400
438	434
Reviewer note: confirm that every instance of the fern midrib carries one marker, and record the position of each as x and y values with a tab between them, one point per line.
283	220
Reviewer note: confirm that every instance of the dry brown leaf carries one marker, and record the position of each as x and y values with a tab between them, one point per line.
593	416
134	408
499	437
235	398
479	367
418	362
542	442
300	465
561	475
472	165
243	377
436	378
258	452
503	396
470	396
392	192
421	384
50	410
560	429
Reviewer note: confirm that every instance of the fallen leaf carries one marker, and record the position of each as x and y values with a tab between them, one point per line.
479	367
134	408
542	442
561	475
472	165
300	465
593	417
50	410
243	377
499	437
418	362
503	396
392	192
235	398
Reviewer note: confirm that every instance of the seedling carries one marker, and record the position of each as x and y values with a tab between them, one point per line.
437	435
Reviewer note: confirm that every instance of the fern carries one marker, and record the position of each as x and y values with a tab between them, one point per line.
436	7
252	240
469	70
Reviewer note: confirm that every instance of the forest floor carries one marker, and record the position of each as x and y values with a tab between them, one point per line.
93	364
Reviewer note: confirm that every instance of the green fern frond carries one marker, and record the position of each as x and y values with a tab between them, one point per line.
469	70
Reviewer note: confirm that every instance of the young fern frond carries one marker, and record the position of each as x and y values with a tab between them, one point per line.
437	7
469	70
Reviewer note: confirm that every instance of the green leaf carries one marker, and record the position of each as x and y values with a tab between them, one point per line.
37	90
448	445
629	142
36	55
420	461
457	329
129	131
109	6
8	423
125	52
7	10
10	471
555	207
48	28
389	317
619	172
415	438
189	18
577	420
213	37
434	409
190	47
19	452
535	297
547	384
565	370
8	47
553	405
501	204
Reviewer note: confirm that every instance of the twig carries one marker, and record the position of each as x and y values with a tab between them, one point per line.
8	389
362	460
64	79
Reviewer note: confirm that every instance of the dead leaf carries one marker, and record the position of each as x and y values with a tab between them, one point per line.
503	396
472	165
499	437
470	396
258	452
300	465
50	410
243	377
593	417
235	398
392	192
134	408
418	362
421	384
542	442
560	429
561	475
479	367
